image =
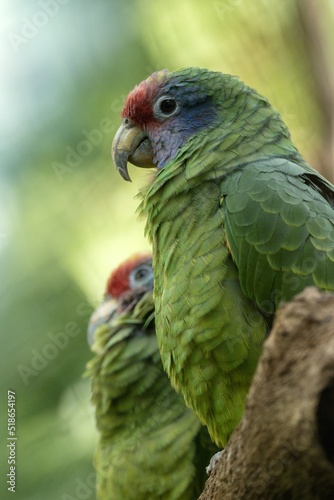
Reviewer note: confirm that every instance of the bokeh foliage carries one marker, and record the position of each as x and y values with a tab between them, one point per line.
69	218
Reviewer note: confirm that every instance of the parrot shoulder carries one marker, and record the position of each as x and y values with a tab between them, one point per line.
279	222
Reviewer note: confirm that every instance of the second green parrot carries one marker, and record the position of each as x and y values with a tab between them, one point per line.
238	222
151	445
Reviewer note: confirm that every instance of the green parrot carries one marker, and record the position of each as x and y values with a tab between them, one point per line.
238	222
151	445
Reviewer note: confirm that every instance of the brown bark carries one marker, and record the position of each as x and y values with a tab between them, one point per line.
284	446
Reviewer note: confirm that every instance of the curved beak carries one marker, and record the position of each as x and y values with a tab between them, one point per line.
131	144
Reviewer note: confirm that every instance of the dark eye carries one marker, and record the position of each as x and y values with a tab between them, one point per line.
141	274
165	106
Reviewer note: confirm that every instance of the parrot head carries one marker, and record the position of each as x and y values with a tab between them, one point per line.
125	286
164	112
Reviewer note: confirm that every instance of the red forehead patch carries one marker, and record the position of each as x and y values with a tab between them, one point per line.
118	282
139	103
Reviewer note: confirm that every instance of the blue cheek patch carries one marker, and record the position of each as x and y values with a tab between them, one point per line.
176	131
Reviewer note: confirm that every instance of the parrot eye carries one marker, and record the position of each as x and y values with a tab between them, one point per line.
141	276
165	106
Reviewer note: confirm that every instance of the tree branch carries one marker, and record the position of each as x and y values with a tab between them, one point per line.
284	446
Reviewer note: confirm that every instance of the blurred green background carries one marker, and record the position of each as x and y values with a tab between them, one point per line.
67	218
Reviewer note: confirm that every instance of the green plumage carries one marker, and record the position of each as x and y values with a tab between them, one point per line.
151	445
238	222
285	224
210	334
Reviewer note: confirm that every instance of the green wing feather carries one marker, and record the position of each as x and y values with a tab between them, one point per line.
280	229
149	440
